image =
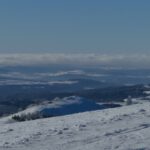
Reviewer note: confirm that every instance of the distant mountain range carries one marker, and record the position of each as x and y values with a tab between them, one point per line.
16	97
23	86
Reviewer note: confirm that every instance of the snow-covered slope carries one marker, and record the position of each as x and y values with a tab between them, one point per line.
65	106
123	128
62	106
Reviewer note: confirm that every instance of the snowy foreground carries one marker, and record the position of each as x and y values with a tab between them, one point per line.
123	128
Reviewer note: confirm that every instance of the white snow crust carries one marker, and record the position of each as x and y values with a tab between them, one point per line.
123	128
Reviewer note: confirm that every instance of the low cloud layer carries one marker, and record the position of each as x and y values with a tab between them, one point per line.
116	60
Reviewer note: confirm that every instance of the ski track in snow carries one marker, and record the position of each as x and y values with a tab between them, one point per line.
124	128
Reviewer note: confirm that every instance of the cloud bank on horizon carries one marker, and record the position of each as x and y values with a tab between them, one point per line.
90	59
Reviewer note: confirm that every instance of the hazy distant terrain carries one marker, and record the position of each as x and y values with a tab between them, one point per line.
58	75
23	86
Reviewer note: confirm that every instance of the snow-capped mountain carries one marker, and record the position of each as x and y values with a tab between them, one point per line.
123	128
59	107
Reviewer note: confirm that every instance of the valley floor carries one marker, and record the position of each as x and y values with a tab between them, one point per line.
124	128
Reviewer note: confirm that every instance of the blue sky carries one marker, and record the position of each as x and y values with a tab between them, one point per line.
75	26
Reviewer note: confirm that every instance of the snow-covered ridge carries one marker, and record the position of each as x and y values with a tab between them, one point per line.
59	103
123	128
59	107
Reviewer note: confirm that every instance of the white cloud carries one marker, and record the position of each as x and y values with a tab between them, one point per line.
116	60
62	73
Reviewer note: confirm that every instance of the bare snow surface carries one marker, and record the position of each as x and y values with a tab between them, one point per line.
123	128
